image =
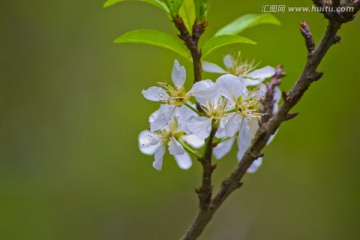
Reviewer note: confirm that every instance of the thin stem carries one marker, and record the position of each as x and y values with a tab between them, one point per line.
190	149
192	108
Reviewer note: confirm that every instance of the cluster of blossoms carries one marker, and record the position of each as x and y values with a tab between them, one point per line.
232	105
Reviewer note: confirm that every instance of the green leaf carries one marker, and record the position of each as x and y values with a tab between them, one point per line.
201	7
187	13
154	37
247	21
174	6
223	40
156	3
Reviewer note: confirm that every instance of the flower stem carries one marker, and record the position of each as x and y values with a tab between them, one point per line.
192	108
190	149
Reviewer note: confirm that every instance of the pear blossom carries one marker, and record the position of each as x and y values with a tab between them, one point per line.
215	110
243	119
226	104
246	70
174	135
177	95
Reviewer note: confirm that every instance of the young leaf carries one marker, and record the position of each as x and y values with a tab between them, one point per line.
187	13
174	6
154	37
247	21
223	40
201	7
156	3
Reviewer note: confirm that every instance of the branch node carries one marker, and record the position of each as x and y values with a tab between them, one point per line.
315	76
256	155
337	39
290	116
285	96
213	166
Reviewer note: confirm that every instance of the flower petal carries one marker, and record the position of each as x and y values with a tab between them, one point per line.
175	147
244	139
253	126
228	61
220	133
193	140
277	97
159	154
223	148
233	125
264	72
160	118
182	116
178	74
230	86
272	137
261	92
212	67
205	89
155	94
255	165
183	161
200	126
149	142
253	82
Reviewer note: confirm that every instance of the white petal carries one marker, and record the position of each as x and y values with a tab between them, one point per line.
182	116
253	126
205	89
244	139
253	82
211	67
160	118
200	126
255	165
178	74
277	97
223	148
175	147
230	86
183	161
193	140
261	92
220	133
149	142
159	154
155	94
233	125
272	138
264	72
228	61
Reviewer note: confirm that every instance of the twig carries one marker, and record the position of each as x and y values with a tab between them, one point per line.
269	127
191	41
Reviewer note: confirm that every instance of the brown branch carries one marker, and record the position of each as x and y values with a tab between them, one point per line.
205	191
268	128
191	41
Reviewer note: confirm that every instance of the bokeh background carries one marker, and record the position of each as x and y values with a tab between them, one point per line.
71	110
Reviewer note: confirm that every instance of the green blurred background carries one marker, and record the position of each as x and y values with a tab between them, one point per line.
71	111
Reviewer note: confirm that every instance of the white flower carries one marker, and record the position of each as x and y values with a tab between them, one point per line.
245	103
245	69
177	95
173	134
215	110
